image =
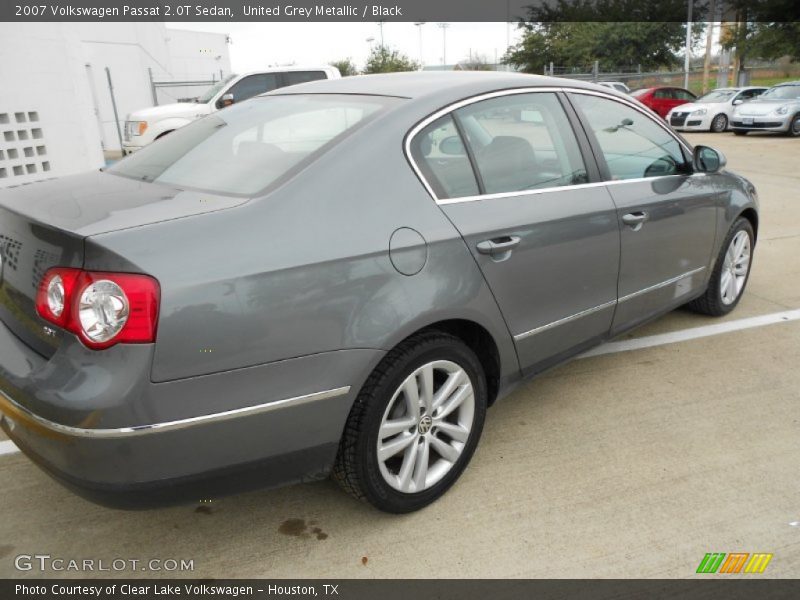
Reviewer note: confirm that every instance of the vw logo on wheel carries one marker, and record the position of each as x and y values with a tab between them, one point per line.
425	424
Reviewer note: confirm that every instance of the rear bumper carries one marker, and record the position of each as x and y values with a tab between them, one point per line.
124	441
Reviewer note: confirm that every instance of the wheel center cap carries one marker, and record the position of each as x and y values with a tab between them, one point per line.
425	424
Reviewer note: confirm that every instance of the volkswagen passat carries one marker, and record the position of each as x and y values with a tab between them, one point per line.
342	276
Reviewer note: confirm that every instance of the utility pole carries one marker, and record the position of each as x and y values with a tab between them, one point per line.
709	41
419	28
688	46
380	24
443	27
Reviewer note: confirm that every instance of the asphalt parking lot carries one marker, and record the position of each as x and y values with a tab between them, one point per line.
632	463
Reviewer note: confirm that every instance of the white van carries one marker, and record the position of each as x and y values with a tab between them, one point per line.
148	124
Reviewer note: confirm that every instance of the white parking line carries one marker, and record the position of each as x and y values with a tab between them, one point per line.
693	333
8	447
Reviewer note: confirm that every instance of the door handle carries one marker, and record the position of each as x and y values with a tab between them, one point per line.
635	220
498	245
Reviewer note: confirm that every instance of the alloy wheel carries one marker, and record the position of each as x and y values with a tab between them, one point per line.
425	426
735	268
719	124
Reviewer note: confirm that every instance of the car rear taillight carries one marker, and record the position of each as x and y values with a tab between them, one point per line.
102	309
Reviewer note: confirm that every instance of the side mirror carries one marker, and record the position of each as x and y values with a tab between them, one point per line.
226	100
708	160
452	146
738	101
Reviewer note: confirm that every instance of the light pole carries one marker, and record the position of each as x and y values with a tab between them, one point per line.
419	28
443	27
688	46
380	24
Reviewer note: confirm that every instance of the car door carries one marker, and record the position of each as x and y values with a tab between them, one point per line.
662	101
511	175
667	213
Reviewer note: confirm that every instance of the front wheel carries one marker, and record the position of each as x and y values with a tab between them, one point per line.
731	272
719	124
794	126
415	424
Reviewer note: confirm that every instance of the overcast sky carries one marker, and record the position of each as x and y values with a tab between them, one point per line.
256	45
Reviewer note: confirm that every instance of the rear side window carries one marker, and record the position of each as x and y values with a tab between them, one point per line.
249	146
665	94
633	145
522	142
295	77
440	154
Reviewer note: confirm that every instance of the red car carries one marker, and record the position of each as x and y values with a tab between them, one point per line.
662	99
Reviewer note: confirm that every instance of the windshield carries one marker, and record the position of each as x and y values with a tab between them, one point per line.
248	146
782	92
716	96
212	91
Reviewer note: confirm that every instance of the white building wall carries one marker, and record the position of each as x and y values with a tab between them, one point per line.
56	72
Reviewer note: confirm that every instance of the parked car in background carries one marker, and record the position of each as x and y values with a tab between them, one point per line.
148	124
342	276
616	85
712	111
663	99
777	109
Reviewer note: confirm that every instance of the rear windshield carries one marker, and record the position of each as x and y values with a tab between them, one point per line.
246	147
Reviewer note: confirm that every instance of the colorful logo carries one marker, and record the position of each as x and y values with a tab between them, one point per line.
736	562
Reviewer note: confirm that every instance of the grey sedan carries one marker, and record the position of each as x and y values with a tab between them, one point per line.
340	277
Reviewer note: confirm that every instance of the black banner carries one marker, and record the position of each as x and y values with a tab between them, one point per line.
441	589
397	10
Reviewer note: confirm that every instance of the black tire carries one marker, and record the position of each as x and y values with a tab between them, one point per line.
794	126
711	303
719	123
739	132
357	467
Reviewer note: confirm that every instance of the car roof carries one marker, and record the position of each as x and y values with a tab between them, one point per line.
443	86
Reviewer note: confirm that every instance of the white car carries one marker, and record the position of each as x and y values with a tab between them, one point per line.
148	124
712	111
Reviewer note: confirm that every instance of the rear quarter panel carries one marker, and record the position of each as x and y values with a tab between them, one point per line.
306	269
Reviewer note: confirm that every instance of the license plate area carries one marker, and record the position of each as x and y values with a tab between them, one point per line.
747	120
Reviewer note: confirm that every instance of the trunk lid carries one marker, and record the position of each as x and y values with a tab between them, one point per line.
45	224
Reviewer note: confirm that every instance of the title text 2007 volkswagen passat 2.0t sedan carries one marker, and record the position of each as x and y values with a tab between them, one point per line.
342	276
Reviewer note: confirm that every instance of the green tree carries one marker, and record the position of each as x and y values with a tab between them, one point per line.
617	33
763	30
388	60
346	67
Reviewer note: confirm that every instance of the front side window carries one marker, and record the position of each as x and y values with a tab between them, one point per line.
632	143
663	94
247	147
254	85
522	142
